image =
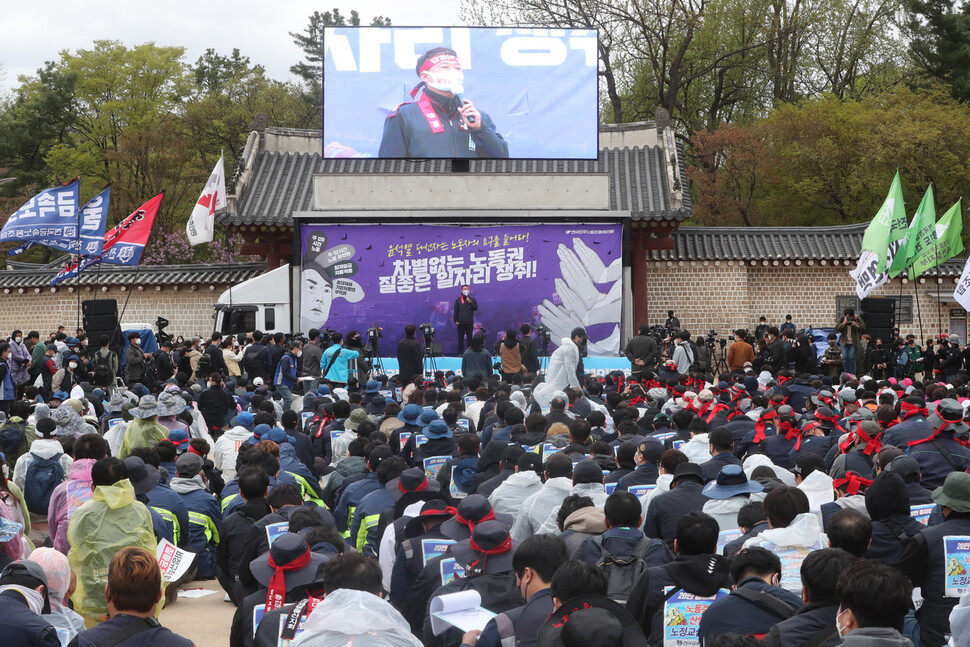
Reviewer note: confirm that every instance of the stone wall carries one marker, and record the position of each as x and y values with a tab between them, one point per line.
189	311
725	295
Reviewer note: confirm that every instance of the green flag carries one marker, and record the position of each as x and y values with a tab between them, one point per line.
947	244
919	235
888	226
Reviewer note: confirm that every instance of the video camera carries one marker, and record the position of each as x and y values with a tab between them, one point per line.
326	335
544	336
428	331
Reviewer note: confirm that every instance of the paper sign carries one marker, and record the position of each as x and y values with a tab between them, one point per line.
610	488
677	444
462	610
682	617
431	548
306	415
470	400
453	489
450	570
114	422
922	512
725	537
335	434
258	612
433	464
791	567
640	490
387	395
956	556
274	530
404	437
548	449
78	493
172	561
420	439
399	394
665	436
463	423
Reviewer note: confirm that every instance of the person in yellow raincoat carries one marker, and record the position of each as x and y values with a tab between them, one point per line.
144	430
110	521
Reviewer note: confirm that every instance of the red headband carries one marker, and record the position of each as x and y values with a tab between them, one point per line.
913	410
276	595
504	547
434	60
854	482
420	488
760	425
471	523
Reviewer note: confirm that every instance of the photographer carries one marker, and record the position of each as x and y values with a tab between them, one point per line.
333	362
684	355
851	327
779	355
409	355
641	350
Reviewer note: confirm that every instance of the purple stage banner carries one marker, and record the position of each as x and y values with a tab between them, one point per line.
562	276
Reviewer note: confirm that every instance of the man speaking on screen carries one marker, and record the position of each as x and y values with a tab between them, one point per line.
439	122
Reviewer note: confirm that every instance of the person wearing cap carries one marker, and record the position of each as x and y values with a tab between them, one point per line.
169	406
623	539
395	481
508	459
144	430
563	364
537	507
941	452
409	556
925	562
205	516
136	359
426	418
908	468
288	572
646	457
756	604
487	558
110	521
340	444
697	570
292	469
952	358
24	596
685	495
728	493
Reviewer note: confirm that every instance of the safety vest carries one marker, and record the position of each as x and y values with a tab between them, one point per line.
309	494
170	517
209	526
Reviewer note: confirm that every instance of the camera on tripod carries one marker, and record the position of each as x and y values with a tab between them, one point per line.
374	333
711	340
326	335
428	331
545	336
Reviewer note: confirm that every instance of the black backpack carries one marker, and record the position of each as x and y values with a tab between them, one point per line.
43	475
12	438
102	369
250	361
622	573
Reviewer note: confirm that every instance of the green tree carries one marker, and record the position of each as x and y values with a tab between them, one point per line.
311	41
940	41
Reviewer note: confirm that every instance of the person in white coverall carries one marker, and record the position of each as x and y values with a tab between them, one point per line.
561	373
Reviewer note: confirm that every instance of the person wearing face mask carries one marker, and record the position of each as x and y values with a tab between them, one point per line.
465	308
23	600
135	358
286	371
878	360
831	362
19	361
7	390
439	122
873	602
66	377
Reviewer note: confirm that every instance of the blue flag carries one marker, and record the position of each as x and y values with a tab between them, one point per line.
93	219
50	216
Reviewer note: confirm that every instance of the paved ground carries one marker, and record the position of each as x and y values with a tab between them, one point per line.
204	621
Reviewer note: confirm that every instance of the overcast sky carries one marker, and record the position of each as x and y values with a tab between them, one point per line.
34	32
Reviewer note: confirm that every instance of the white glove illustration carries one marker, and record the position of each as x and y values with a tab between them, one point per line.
582	302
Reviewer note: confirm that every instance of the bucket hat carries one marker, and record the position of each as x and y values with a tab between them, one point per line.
731	481
955	492
147	407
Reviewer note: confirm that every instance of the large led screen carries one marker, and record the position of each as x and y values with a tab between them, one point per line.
460	92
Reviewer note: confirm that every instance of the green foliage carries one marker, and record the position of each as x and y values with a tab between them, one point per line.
311	41
828	161
940	41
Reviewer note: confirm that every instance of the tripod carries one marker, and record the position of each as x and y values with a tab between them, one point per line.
377	365
720	361
428	363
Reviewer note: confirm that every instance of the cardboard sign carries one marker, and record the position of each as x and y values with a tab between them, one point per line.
450	570
403	438
682	617
548	449
433	465
641	490
922	512
274	530
431	548
956	557
725	537
470	400
173	561
610	488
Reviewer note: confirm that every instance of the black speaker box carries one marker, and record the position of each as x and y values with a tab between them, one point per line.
99	307
100	322
872	306
876	320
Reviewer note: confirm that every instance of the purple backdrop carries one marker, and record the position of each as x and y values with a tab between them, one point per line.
393	275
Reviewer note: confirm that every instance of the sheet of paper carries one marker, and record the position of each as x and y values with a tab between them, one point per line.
462	610
194	593
173	561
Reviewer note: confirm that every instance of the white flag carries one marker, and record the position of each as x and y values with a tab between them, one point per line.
202	221
962	291
865	275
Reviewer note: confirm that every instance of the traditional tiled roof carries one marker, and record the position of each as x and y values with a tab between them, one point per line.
283	182
28	275
843	243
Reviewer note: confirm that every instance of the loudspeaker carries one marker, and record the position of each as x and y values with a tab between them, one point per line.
885	334
100	322
99	307
882	304
880	320
95	334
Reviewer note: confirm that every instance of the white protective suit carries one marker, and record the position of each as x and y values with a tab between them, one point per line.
511	495
535	510
595	491
561	374
348	618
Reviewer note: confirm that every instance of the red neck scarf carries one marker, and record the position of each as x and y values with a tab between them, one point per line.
759	427
471	523
478	566
420	488
853	482
276	595
939	429
782	379
790	430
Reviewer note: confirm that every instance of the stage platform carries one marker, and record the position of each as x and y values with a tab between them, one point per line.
594	365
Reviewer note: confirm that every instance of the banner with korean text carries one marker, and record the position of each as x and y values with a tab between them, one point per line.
559	275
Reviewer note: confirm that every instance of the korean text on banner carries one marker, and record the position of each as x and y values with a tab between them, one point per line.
173	561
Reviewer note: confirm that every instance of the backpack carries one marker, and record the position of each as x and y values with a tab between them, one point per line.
43	475
204	367
250	361
102	369
11	440
622	573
